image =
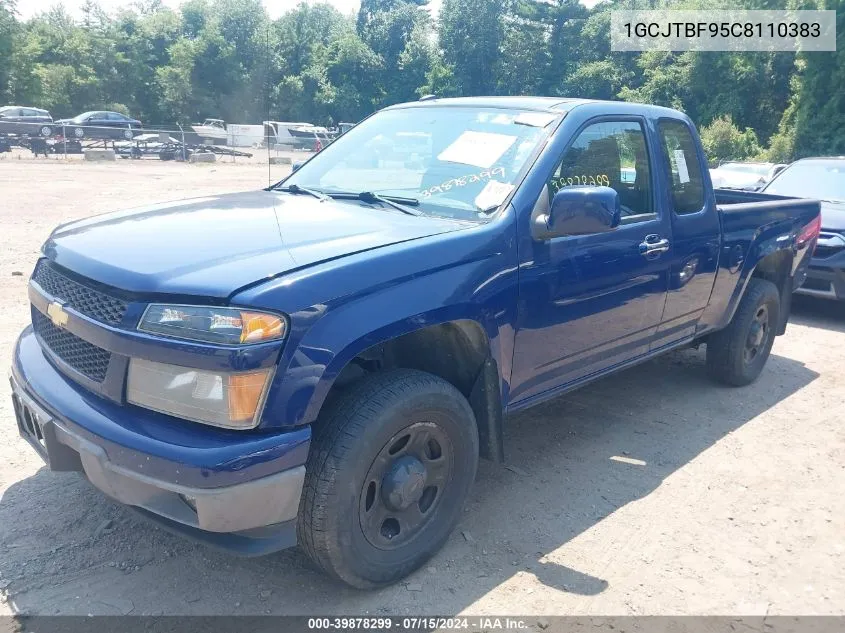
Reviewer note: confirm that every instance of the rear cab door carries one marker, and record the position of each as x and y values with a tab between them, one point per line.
696	231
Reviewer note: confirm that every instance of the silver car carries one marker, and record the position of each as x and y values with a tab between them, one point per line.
22	120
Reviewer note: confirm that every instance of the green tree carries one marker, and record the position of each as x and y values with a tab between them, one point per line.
388	31
723	140
818	114
352	70
8	34
225	58
470	35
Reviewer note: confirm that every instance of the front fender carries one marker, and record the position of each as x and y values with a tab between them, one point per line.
346	332
475	281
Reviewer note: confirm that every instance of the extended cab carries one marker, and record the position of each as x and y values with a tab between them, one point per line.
324	361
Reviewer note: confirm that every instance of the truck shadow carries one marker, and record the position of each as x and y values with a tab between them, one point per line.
571	463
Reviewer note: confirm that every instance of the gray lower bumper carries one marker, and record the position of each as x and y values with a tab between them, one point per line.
256	509
824	283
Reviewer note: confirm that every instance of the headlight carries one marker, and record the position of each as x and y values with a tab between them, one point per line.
228	399
208	324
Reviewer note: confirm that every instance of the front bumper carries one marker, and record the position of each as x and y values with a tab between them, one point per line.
825	276
235	490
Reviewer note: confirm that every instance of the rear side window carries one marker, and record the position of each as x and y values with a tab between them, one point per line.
683	167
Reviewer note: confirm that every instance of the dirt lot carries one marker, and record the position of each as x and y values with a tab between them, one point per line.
735	506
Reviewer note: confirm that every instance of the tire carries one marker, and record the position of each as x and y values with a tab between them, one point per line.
46	131
366	444
78	132
729	360
128	135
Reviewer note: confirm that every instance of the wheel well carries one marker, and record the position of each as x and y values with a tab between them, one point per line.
775	268
456	351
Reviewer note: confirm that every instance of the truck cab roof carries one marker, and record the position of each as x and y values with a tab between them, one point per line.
556	105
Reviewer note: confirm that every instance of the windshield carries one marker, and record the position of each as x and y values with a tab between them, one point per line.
757	169
456	161
79	118
819	179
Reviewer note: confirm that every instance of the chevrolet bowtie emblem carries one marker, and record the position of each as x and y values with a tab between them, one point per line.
57	314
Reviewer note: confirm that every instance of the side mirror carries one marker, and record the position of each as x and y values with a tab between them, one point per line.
296	165
579	210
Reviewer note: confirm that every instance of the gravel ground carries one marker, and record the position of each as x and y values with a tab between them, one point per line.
723	502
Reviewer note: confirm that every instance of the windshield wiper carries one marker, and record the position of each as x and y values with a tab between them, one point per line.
296	189
402	204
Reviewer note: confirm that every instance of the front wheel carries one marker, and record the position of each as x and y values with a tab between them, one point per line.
390	467
46	131
737	354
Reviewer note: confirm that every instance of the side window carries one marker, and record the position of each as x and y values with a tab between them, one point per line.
684	168
613	154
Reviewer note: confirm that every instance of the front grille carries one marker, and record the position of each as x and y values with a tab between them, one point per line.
86	358
79	296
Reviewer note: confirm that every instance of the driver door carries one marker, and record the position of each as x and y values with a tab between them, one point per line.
590	302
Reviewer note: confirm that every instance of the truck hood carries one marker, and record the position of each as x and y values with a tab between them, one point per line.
833	216
215	245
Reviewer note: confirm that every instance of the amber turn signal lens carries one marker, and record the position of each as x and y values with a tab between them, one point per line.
257	326
245	392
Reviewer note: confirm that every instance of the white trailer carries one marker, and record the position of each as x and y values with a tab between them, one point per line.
238	135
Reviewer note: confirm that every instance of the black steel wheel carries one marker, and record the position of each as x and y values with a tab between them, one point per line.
390	466
404	485
737	354
758	335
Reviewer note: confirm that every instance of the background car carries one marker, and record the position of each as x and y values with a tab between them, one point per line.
25	120
100	124
741	175
821	179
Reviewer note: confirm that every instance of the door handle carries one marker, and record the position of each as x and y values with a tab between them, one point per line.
654	245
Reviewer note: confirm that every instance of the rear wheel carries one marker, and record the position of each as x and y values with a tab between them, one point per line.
390	467
737	354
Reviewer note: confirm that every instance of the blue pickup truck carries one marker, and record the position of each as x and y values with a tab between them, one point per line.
324	361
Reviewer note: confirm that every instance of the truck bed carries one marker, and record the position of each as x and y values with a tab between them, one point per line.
735	199
744	210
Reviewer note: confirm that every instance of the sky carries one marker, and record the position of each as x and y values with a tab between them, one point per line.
29	8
